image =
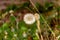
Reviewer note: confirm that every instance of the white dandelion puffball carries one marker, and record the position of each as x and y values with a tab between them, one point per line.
29	18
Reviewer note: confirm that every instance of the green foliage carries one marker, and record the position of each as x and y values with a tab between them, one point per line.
5	26
45	8
58	8
22	27
58	26
11	7
49	6
12	19
21	23
26	4
59	39
15	7
40	8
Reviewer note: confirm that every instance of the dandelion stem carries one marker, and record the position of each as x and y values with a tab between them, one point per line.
43	19
38	22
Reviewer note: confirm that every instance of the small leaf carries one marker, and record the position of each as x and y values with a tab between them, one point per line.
48	4
12	19
5	26
23	28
